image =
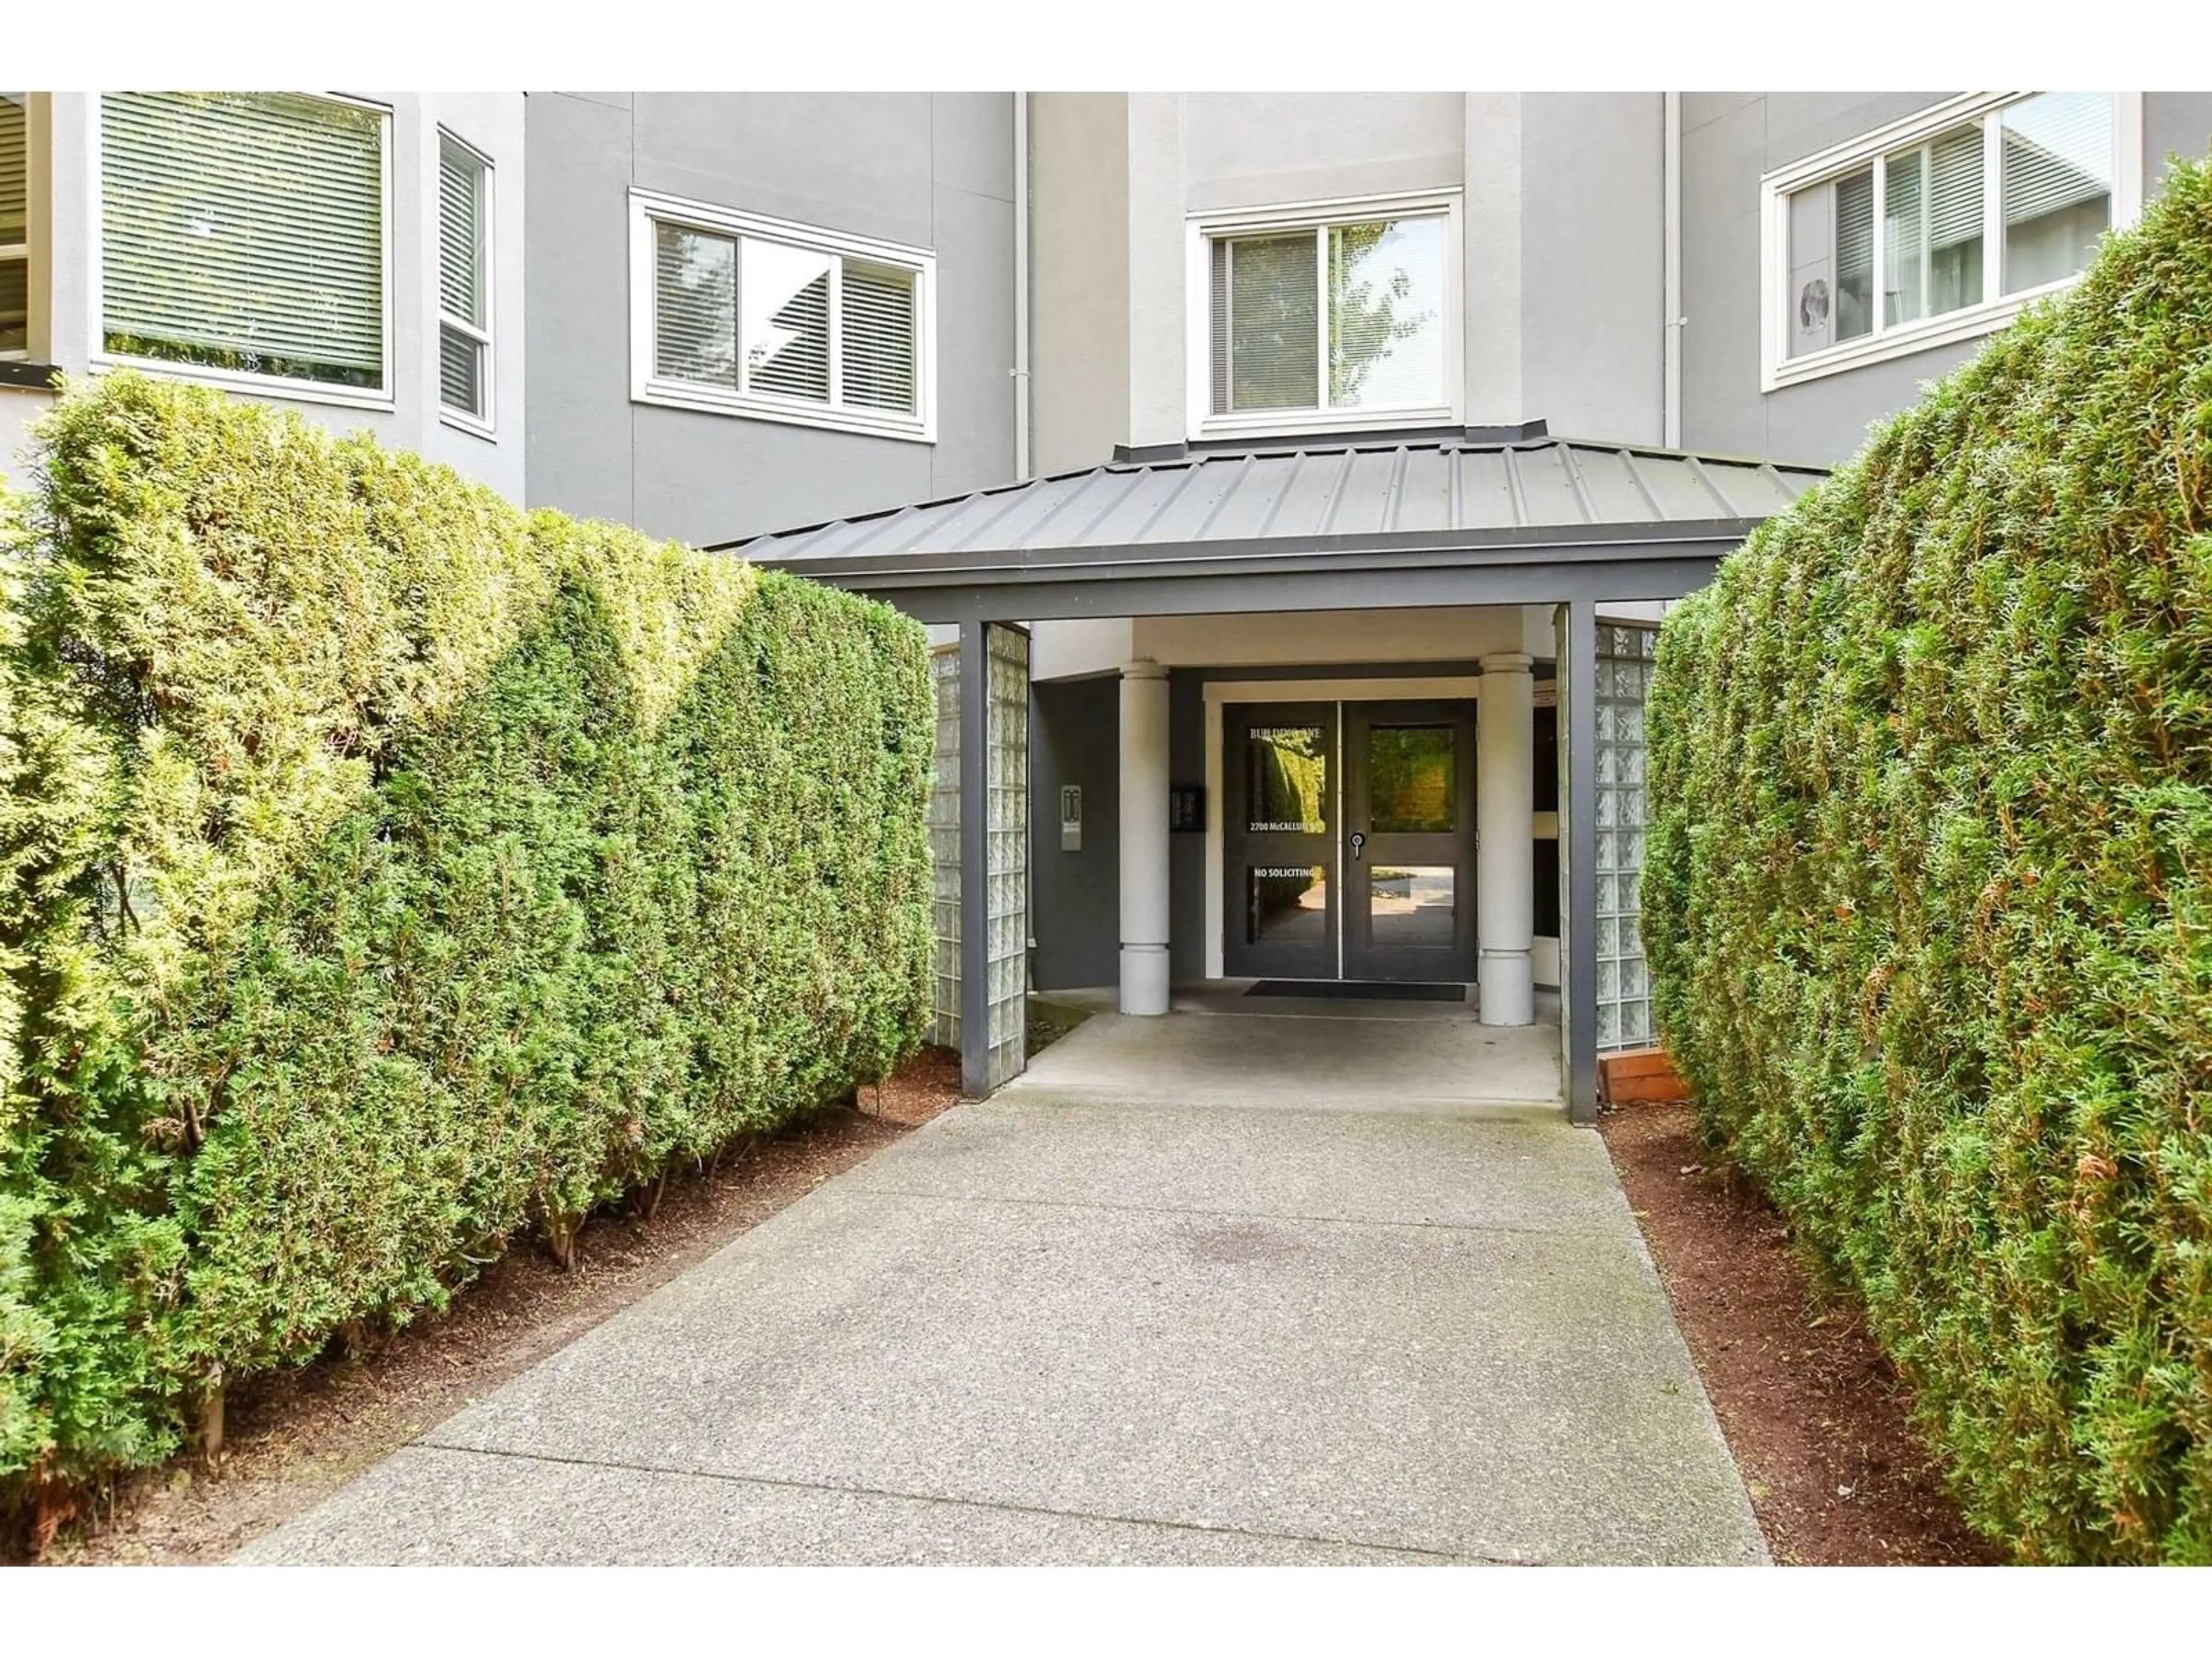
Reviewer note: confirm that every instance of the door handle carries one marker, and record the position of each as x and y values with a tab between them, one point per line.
1358	841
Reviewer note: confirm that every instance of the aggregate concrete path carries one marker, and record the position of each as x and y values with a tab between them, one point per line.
1194	1290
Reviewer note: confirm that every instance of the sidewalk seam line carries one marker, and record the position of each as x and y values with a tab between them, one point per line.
966	1503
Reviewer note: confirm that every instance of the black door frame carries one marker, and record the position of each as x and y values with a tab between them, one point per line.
1243	846
1367	850
1346	952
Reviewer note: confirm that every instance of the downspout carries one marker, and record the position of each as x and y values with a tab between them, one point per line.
1671	330
1021	372
1021	287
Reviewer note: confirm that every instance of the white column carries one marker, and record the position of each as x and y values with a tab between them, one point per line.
1505	859
1144	837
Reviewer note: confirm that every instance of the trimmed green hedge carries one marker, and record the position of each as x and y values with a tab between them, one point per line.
1928	895
389	872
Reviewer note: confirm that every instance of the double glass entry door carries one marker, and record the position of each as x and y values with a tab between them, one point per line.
1350	843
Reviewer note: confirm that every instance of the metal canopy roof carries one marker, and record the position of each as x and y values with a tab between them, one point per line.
1351	496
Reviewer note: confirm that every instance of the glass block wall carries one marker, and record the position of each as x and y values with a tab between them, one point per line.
1008	715
944	847
1624	985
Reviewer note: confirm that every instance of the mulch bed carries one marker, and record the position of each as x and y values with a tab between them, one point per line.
1813	1413
292	1437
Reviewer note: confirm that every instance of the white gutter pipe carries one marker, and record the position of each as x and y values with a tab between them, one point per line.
1021	287
1671	333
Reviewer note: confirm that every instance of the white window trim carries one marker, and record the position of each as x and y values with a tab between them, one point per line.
485	425
1778	369
647	208
1204	227
17	253
20	252
265	386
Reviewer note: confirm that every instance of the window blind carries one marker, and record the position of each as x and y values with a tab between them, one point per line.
1272	339
463	185
244	231
460	371
880	362
695	306
1854	299
1854	225
15	182
784	299
15	169
461	233
1954	190
2057	154
1218	331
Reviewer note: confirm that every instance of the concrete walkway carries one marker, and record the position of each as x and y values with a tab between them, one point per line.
1216	1288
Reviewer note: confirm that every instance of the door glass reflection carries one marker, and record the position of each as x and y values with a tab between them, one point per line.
1411	905
1286	904
1409	779
1287	785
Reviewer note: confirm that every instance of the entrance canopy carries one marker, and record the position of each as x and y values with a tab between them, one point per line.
1352	523
1348	523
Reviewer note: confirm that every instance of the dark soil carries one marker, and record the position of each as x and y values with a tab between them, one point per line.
292	1436
1813	1413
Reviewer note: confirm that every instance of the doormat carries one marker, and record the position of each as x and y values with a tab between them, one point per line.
1365	990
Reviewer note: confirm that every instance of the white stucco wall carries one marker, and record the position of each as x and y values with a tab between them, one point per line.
1079	278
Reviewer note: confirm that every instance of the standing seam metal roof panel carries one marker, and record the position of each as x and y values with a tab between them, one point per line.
1351	489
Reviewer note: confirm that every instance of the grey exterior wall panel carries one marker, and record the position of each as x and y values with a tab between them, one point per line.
2175	124
1075	728
929	170
971	142
1828	419
696	473
975	242
1723	157
578	341
1701	108
1799	123
851	162
1729	140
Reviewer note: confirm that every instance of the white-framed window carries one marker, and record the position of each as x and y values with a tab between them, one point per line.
1336	315
738	314
1940	226
464	216
243	240
14	225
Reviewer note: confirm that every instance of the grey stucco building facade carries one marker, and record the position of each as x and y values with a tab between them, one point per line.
933	170
1290	481
1729	142
1596	230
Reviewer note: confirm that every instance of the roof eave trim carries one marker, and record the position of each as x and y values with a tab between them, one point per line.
1667	540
